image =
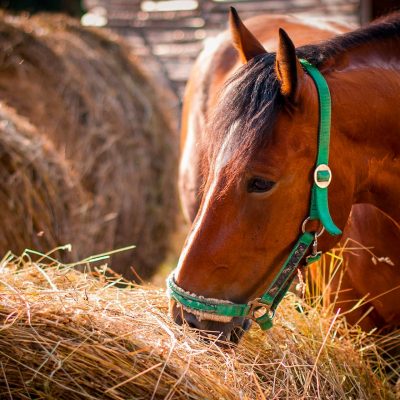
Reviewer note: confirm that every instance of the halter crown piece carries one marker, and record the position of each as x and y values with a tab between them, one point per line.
262	309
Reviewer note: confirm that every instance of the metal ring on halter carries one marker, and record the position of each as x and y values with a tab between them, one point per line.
317	234
257	306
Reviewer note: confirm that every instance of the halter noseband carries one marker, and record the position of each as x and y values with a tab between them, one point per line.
262	309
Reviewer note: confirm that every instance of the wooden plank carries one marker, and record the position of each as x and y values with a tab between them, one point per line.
182	36
177	50
169	42
194	23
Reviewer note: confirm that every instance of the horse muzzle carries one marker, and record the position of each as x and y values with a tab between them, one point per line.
221	332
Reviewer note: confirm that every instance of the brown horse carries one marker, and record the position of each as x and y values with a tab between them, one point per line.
254	160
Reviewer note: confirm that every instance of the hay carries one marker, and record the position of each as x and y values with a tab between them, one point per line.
40	199
81	89
71	335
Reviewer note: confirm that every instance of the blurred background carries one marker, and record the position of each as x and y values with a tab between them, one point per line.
168	34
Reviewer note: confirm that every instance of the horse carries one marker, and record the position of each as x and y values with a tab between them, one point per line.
215	65
249	185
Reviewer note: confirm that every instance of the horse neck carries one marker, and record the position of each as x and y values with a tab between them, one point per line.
366	114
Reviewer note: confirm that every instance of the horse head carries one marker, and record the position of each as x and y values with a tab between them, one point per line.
260	174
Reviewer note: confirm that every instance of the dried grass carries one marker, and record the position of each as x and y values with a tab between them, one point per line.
40	199
72	335
81	89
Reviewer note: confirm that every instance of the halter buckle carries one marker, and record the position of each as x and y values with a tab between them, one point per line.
258	309
322	176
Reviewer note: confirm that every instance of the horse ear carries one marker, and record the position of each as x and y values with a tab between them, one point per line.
287	67
243	40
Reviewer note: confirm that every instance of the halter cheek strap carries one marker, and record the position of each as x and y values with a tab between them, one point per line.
319	208
262	309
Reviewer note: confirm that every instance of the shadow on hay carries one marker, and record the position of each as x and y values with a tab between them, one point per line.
107	176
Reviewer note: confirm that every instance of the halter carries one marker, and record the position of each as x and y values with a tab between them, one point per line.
262	309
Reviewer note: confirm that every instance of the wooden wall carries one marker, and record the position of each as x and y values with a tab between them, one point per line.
169	41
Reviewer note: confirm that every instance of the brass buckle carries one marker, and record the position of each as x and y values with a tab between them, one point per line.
258	309
320	168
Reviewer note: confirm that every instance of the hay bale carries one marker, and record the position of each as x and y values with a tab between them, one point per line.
40	200
81	89
69	335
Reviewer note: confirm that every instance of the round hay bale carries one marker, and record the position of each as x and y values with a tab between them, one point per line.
61	342
39	198
81	88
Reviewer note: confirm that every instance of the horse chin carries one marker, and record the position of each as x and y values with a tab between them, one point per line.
222	333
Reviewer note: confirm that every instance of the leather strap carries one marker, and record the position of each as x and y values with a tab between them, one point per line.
319	208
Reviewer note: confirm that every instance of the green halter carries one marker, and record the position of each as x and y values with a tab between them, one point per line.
262	309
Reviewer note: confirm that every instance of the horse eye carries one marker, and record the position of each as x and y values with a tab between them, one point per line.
259	185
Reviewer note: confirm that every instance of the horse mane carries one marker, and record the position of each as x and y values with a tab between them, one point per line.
378	30
251	99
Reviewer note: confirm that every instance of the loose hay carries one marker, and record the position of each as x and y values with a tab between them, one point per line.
69	335
82	90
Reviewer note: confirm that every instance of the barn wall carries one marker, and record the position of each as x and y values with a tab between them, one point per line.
169	41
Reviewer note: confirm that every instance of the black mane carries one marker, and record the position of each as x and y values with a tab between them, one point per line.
251	99
381	29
